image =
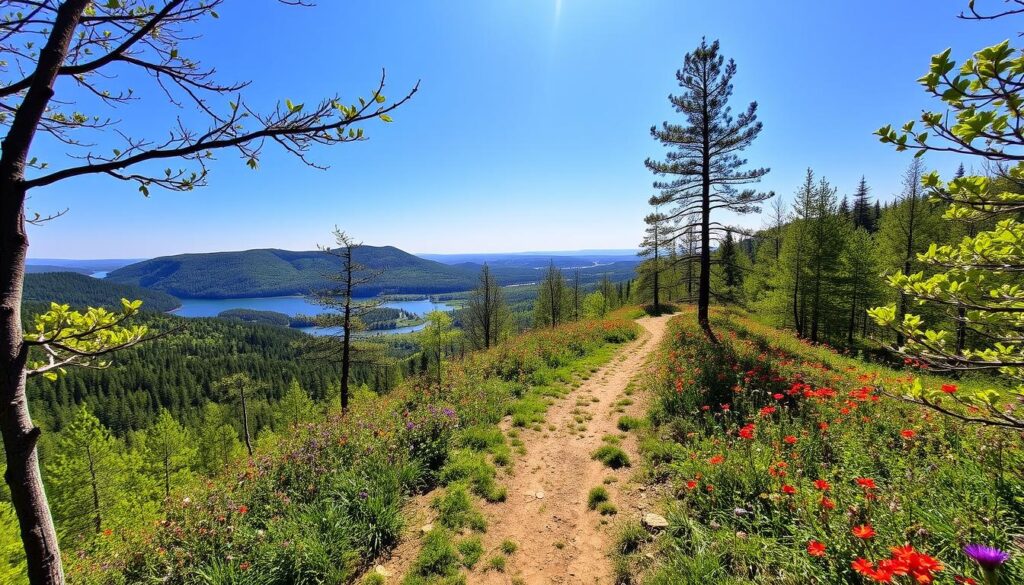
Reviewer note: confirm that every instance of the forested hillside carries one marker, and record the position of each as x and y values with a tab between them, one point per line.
83	291
255	273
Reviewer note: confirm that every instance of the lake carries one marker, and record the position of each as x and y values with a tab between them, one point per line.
296	305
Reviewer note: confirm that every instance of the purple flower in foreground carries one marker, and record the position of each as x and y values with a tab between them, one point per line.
988	557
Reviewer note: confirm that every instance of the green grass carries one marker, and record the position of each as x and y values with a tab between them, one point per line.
607	509
596	496
437	558
509	547
497	563
455	509
628	423
612	456
471	550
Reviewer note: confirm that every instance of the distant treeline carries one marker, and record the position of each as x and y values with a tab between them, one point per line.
80	291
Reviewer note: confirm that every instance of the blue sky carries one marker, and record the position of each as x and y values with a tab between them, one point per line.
531	125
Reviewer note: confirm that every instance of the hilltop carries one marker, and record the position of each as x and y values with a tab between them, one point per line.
274	272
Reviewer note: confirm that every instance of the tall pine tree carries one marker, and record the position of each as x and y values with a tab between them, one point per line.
703	166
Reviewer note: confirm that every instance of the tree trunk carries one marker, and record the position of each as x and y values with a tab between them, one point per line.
346	334
704	286
98	520
42	552
245	418
20	435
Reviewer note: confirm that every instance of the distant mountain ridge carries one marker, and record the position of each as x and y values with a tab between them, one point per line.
274	272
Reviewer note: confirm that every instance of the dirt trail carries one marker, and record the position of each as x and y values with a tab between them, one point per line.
559	540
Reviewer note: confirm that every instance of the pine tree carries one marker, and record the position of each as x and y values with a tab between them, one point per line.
168	451
295	406
728	259
437	338
83	475
653	248
486	314
550	306
347	312
704	160
863	214
906	230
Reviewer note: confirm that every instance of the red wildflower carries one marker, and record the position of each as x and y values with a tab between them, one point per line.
691	485
788	489
768	411
907	434
778	396
866	482
864	531
949	388
715	460
863	566
243	509
827	503
815	548
789	440
822	485
747	432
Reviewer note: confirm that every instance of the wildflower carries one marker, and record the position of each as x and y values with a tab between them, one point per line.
863	531
863	567
815	548
747	432
789	440
715	460
988	558
822	485
691	484
828	503
243	510
907	434
949	388
867	483
768	411
788	489
778	396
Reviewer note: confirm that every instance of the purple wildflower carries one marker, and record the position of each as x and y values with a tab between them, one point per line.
988	557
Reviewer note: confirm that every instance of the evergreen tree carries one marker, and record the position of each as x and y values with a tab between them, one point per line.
704	160
240	385
84	475
910	224
863	215
295	406
437	339
729	262
652	248
168	451
340	297
550	306
486	314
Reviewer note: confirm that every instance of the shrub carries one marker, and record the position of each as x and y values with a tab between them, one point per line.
509	547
